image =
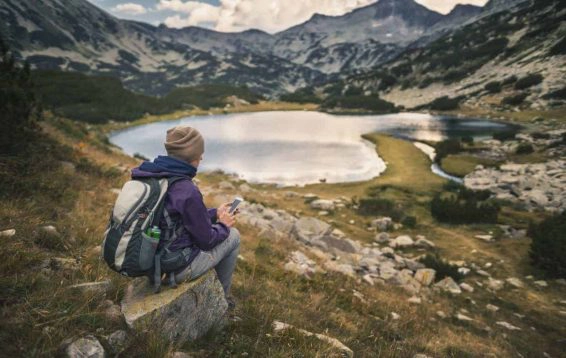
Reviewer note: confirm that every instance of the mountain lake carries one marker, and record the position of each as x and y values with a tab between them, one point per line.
302	147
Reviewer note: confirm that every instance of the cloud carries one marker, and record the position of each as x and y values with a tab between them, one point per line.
129	9
445	6
238	15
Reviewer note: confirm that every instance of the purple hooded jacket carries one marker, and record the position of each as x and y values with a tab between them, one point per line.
184	202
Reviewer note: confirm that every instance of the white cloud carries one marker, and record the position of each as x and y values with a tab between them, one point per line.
129	9
445	6
238	15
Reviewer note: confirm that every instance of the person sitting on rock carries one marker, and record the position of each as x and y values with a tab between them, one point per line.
209	233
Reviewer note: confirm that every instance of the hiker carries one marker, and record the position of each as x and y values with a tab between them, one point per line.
207	234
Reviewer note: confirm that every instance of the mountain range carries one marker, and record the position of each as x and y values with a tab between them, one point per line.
75	35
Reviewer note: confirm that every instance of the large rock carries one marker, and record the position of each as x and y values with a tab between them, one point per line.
383	223
85	347
307	227
321	204
185	313
402	241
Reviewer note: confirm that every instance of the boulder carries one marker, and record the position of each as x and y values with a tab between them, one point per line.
449	285
185	313
307	227
425	276
87	346
321	204
383	223
345	245
402	241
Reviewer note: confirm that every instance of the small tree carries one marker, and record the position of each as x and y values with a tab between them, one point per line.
19	110
548	248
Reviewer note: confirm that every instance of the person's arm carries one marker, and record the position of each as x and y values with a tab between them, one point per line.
196	217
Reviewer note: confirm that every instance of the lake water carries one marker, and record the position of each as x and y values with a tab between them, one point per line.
299	147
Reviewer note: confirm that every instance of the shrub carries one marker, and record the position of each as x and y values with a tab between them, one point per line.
524	148
379	206
427	81
548	248
540	135
514	100
493	87
371	103
442	268
445	103
409	221
302	95
504	136
528	81
509	80
18	106
467	139
446	147
556	94
458	210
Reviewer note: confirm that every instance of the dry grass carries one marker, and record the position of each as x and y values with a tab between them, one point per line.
39	311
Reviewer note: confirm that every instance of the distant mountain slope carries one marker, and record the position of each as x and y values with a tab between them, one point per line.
508	58
77	36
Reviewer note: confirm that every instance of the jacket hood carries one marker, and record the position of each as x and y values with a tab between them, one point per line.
164	166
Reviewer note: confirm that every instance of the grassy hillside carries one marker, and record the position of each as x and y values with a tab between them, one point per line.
99	99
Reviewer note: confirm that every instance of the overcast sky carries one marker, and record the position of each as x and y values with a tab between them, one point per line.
239	15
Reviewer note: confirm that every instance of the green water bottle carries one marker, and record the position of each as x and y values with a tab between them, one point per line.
154	232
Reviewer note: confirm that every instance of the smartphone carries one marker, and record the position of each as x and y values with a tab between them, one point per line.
237	201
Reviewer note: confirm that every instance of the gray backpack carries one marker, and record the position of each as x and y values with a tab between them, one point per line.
127	248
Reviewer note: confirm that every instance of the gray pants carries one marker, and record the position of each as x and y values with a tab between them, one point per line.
222	258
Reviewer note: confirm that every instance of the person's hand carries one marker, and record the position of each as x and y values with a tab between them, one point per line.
226	218
223	208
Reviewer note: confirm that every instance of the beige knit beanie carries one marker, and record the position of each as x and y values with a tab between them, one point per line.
185	143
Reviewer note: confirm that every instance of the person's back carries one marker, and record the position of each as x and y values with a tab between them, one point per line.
205	236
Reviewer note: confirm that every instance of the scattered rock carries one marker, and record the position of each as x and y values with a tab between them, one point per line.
49	231
515	282
185	313
368	279
402	241
301	265
491	308
8	233
483	273
382	238
395	316
345	269
383	223
464	271
509	326
87	346
281	326
415	300
449	285
541	283
487	238
112	311
321	204
68	167
441	314
245	188
468	288
494	284
117	341
424	243
463	318
425	276
180	354
310	197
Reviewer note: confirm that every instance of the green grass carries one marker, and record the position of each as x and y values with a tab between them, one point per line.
461	165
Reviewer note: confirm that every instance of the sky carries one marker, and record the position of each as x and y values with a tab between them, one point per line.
239	15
